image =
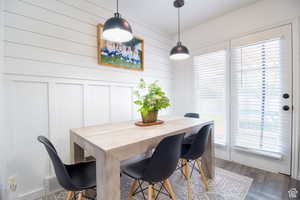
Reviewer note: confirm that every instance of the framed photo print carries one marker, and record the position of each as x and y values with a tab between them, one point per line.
128	55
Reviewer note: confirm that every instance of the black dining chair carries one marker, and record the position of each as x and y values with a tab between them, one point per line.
156	170
192	136
192	115
76	178
192	151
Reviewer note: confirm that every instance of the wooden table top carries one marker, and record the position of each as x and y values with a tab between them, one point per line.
114	136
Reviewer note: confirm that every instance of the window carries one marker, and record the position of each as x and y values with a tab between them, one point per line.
256	95
210	90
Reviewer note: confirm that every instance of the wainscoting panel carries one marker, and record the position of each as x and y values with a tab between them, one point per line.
121	104
29	101
98	104
68	114
136	114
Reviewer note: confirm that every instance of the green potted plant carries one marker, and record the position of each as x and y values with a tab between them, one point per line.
150	100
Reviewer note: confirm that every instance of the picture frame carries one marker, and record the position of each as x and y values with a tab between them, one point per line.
127	55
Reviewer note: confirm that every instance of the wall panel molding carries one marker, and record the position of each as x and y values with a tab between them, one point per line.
73	103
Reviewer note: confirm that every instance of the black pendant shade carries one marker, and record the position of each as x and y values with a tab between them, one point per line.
117	29
179	52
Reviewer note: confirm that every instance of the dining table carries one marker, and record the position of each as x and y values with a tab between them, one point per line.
116	144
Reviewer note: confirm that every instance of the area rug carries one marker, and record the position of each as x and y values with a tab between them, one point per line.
226	186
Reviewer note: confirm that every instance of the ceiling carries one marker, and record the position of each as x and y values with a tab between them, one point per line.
162	15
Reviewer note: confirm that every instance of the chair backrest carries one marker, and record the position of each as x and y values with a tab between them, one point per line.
198	145
59	167
164	160
192	115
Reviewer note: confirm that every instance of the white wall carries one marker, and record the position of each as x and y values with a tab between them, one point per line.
183	87
260	15
2	128
256	17
56	84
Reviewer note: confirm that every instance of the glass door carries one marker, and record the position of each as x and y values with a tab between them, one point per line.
261	100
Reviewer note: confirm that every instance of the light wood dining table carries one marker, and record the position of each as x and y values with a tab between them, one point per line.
115	143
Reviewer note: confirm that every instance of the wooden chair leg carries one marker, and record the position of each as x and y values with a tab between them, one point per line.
132	189
154	192
69	195
183	167
186	168
150	192
202	174
189	184
169	187
80	196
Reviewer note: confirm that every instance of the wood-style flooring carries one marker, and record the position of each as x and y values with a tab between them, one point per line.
266	185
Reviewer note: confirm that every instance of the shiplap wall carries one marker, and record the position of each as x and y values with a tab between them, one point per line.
2	113
56	84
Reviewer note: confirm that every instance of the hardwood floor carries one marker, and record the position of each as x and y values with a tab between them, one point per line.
266	185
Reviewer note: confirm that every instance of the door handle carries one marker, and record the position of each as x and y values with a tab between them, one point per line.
286	96
286	108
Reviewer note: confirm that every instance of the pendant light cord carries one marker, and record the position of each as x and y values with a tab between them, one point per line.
178	24
117	6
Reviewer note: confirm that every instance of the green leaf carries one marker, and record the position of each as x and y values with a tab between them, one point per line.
154	98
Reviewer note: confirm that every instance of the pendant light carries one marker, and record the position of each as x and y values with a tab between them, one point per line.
117	29
179	52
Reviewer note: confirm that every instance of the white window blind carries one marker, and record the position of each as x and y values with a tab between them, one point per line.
210	90
256	96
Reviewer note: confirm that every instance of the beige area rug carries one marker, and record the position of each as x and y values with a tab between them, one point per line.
226	186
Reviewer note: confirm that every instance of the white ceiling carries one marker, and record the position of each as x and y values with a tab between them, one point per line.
162	15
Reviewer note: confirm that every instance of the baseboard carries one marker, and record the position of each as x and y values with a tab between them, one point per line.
51	186
33	195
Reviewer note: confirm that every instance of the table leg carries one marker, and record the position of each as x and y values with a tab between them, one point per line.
77	153
208	159
108	176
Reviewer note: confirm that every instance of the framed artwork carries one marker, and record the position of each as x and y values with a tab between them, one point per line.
128	55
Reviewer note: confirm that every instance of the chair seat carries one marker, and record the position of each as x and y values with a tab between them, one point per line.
83	175
136	170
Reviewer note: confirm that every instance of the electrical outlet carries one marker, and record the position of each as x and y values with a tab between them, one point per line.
12	183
